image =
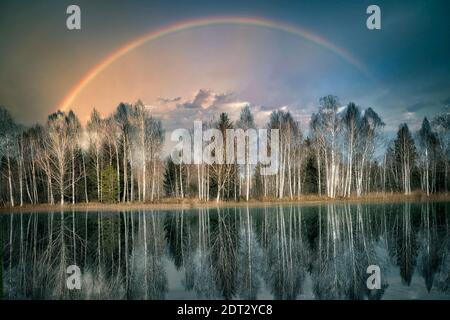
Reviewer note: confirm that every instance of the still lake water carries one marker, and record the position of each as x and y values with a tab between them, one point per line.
274	252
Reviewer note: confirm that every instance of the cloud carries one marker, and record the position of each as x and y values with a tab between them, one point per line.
233	109
203	99
206	105
167	100
409	115
419	106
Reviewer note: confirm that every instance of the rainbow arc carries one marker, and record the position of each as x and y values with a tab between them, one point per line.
200	23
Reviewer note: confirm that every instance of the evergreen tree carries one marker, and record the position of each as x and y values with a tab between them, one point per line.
428	144
405	156
171	181
109	185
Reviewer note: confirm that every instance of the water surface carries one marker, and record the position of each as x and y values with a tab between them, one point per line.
276	252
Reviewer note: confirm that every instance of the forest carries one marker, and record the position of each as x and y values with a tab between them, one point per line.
116	158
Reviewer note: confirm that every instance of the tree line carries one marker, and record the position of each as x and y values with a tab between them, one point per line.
119	158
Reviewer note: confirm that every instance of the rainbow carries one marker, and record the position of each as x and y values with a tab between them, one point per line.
199	23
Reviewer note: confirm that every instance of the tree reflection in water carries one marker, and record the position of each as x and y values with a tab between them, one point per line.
231	253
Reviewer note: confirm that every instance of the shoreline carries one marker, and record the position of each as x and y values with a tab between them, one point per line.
191	203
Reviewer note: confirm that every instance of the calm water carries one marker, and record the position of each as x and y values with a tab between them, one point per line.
279	252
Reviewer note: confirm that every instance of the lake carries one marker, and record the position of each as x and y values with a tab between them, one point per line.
272	252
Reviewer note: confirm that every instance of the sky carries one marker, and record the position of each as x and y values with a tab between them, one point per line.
403	70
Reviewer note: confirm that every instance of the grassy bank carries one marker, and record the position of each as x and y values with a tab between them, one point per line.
189	203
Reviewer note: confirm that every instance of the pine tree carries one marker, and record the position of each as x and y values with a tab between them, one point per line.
428	143
172	179
109	185
405	156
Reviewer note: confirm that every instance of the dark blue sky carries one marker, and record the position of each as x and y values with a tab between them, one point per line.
408	58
